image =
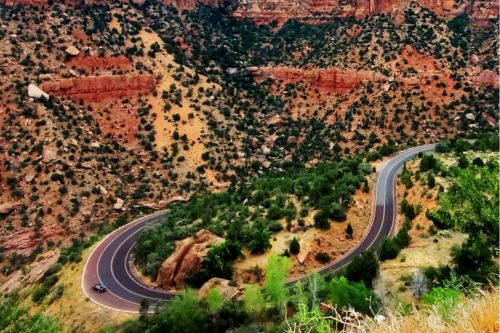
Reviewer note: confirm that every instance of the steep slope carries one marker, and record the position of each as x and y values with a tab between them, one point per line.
147	104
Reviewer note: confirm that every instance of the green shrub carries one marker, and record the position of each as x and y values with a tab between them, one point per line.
294	246
389	249
321	220
346	294
364	268
322	257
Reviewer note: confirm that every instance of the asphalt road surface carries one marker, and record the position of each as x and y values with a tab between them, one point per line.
110	262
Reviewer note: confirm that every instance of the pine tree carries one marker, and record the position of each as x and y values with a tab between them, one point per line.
349	230
294	246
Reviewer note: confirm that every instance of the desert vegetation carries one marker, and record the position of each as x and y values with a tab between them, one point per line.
257	130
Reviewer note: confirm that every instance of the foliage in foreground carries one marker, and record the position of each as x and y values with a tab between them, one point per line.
16	319
262	310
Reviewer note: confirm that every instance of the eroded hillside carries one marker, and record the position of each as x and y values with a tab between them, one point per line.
149	105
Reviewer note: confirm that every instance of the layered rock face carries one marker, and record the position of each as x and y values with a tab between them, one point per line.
24	2
266	11
186	259
337	81
191	4
326	80
97	88
486	78
484	10
95	62
46	2
314	11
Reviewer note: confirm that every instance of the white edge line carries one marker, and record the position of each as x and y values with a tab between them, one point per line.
139	220
130	224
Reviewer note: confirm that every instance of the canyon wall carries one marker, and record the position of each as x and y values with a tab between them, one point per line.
326	80
266	11
314	11
97	88
95	62
46	2
342	80
191	4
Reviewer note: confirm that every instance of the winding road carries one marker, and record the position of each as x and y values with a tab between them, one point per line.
110	262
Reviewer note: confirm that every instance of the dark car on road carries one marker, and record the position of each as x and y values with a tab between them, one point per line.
99	287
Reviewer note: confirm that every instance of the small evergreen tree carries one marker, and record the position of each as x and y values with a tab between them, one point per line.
294	246
349	231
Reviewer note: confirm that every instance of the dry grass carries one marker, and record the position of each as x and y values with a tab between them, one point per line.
479	314
312	241
73	310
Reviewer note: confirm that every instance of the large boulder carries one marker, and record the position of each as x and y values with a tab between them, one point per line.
7	207
71	50
48	155
186	259
486	78
223	286
35	92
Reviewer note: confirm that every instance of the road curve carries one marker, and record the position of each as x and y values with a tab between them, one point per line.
110	261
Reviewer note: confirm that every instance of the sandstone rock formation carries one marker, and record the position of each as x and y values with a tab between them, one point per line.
486	78
266	11
118	204
34	272
95	62
24	240
7	207
223	286
191	4
97	88
72	50
326	80
314	11
48	155
186	259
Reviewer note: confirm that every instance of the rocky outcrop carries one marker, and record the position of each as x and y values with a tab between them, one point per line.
483	11
97	88
23	241
224	286
191	4
326	80
48	155
118	204
266	11
7	207
316	11
487	78
33	273
72	50
94	62
333	80
186	259
35	92
25	2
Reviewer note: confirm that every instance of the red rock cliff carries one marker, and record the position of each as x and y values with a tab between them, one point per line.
186	259
191	4
326	80
265	11
96	88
